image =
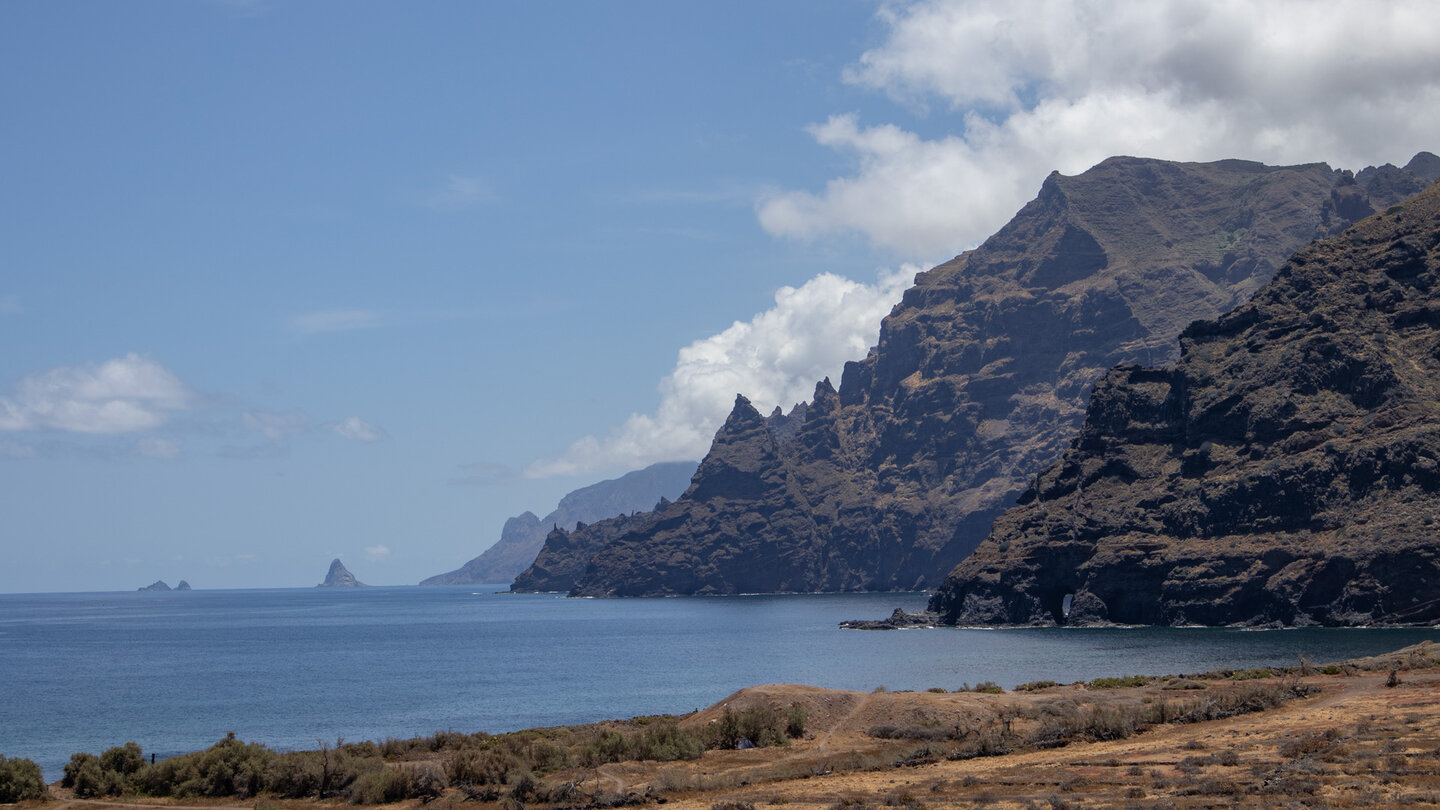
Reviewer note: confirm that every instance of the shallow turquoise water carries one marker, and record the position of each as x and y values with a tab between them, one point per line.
176	671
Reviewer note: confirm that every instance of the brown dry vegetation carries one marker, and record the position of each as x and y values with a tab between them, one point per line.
1361	734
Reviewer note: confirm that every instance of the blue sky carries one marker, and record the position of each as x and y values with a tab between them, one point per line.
287	281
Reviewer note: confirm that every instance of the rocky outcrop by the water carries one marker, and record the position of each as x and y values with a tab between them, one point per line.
979	380
899	620
340	577
157	585
523	536
1286	471
183	586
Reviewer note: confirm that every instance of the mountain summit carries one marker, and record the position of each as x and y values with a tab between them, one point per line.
979	380
1286	471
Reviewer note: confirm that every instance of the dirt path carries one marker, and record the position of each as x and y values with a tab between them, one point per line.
844	722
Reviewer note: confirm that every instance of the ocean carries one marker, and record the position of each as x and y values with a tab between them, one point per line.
176	671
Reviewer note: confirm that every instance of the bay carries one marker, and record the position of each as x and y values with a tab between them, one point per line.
176	671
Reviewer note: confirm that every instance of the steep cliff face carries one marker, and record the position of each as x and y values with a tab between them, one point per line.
523	535
1285	471
979	380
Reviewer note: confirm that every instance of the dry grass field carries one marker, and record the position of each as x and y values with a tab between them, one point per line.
1360	734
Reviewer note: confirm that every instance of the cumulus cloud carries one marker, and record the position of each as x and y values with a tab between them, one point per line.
1038	86
123	395
359	430
376	553
336	320
774	359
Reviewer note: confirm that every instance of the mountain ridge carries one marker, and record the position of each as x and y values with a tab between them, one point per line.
524	535
1284	472
978	380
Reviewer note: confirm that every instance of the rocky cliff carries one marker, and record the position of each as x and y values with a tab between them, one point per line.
340	577
523	536
1286	471
979	380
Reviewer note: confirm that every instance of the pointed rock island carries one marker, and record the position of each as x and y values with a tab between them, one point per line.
340	577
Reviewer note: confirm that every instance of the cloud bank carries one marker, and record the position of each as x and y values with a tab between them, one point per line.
774	359
123	395
1040	86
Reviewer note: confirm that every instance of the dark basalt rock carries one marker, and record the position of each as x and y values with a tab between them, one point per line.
183	586
340	577
979	380
1286	471
899	620
523	536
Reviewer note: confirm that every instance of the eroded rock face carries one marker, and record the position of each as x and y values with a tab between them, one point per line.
1285	471
979	380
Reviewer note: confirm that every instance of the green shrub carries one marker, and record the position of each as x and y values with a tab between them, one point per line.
1120	683
382	786
124	759
795	719
84	776
21	780
1035	686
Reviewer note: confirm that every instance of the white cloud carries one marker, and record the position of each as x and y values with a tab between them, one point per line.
276	425
336	320
122	395
774	359
359	430
377	552
1062	85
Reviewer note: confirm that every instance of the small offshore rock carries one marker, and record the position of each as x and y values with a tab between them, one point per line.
898	620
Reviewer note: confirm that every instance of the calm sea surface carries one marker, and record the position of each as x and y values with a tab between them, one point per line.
176	671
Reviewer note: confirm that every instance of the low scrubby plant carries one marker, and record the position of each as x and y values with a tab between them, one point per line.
21	780
1035	686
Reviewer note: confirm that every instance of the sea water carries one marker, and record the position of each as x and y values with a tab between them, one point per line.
176	671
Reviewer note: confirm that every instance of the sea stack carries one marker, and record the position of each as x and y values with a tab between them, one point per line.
340	577
157	585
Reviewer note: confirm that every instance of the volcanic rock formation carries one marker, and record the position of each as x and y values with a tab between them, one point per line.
340	577
979	380
1286	471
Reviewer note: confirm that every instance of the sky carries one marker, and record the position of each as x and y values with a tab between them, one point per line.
281	282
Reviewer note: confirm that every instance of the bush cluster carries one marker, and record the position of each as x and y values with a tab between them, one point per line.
391	771
21	780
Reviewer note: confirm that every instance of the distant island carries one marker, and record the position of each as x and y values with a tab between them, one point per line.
160	585
340	577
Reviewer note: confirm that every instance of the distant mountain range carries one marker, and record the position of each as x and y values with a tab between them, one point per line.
1286	471
524	534
980	380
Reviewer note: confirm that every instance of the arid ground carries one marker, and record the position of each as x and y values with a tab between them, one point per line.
1360	734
